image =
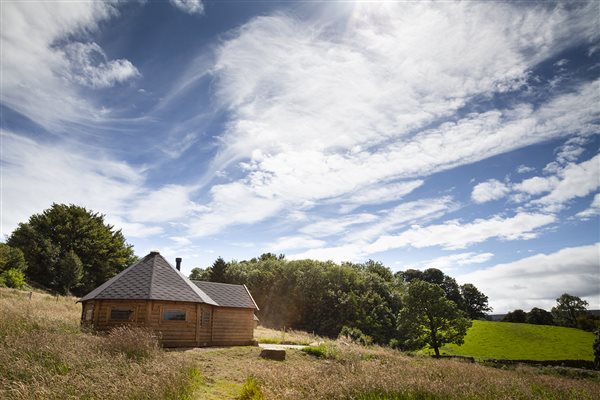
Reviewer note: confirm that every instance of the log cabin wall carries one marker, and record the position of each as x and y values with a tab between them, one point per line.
194	330
204	325
232	326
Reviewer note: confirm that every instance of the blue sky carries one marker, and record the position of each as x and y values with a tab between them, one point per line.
462	136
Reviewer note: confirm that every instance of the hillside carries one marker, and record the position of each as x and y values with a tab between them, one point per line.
44	355
511	341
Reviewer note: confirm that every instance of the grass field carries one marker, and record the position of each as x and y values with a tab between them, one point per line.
43	355
511	341
266	335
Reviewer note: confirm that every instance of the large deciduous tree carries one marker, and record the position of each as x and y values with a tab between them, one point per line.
538	316
568	308
429	318
518	316
475	303
53	241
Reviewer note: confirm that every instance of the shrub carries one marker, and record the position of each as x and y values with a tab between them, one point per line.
356	336
323	350
251	390
134	342
13	278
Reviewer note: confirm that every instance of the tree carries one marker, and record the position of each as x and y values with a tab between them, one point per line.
428	317
199	274
69	273
48	237
567	309
475	303
517	316
218	271
538	316
12	265
11	258
411	274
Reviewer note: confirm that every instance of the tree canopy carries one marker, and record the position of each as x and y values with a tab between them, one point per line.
429	318
568	308
54	240
364	299
12	265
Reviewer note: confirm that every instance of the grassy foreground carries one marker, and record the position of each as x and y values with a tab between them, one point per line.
43	355
511	341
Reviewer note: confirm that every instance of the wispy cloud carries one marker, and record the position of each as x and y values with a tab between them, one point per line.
538	280
320	115
90	67
592	211
189	6
453	234
38	49
454	261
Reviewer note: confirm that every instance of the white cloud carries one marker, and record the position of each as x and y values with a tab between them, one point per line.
355	243
90	67
233	204
576	180
538	280
537	185
319	119
35	175
592	211
347	252
523	169
489	190
378	194
334	226
454	235
451	262
404	214
36	81
189	6
168	203
294	242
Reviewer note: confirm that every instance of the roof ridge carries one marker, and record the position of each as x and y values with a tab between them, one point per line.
251	298
218	283
152	274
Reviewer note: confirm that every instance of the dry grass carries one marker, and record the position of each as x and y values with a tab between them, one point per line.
43	355
378	373
284	336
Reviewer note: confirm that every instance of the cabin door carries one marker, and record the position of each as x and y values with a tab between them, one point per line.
203	325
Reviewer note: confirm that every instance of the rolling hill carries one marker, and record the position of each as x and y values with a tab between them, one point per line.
511	341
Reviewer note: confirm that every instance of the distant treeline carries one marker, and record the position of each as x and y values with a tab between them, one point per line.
362	300
570	311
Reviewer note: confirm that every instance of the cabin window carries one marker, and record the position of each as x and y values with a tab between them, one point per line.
88	314
205	318
121	314
173	315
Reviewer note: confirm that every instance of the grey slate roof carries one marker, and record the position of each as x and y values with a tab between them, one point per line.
151	278
228	295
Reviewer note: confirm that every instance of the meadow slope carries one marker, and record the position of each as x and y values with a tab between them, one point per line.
512	341
44	355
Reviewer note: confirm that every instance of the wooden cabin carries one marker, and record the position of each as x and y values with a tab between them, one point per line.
152	293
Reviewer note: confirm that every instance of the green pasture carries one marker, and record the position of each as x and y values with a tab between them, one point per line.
511	341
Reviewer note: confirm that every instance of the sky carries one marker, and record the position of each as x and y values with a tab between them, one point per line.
461	136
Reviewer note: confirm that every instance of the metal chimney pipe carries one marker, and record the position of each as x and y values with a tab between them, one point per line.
178	263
